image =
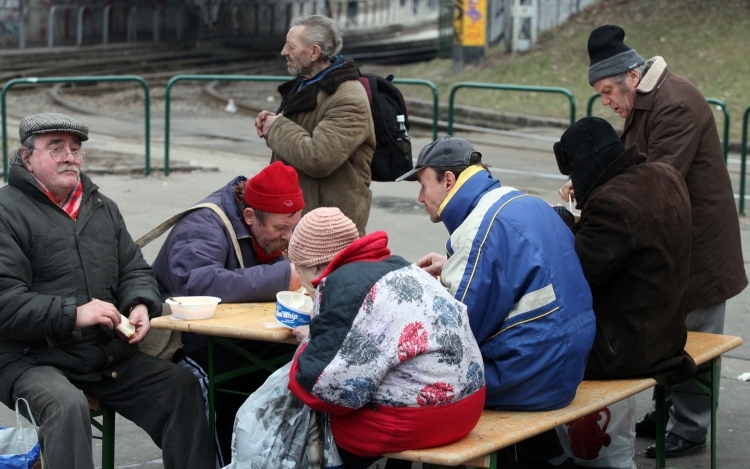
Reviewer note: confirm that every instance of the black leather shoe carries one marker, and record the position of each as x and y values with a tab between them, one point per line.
677	446
645	427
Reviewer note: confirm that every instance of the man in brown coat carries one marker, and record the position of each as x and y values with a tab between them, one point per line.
323	127
672	123
633	240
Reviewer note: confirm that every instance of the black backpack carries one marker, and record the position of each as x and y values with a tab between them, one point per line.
386	102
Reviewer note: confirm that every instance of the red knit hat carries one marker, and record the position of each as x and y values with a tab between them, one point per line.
275	189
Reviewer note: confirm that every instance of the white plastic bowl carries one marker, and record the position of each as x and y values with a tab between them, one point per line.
293	309
193	307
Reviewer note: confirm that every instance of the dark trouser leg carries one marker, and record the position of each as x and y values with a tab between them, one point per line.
62	416
537	448
690	414
352	461
165	401
226	404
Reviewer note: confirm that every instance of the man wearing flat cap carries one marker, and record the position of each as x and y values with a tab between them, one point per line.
512	262
70	275
240	259
671	122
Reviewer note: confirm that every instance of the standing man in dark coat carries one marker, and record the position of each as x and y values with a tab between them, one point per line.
671	122
323	127
70	275
633	240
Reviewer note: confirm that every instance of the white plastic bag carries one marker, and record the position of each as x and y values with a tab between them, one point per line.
605	438
19	446
270	429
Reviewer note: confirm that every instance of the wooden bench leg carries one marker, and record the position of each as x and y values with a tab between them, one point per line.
711	389
106	428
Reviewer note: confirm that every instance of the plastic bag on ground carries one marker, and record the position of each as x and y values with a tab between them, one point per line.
270	429
605	438
19	446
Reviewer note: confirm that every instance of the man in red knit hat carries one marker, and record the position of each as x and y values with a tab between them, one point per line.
247	263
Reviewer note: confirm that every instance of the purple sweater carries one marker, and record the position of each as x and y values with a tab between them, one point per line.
198	259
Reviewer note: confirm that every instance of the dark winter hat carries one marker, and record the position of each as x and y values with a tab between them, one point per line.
447	152
609	55
584	151
51	122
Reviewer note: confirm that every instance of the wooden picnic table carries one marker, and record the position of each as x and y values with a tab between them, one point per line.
250	321
253	321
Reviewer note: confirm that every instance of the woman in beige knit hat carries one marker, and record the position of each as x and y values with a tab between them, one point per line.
388	347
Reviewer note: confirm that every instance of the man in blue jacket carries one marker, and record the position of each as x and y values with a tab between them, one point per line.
512	261
199	257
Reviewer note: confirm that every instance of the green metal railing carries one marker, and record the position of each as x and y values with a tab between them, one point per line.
93	79
435	99
498	86
743	160
178	78
724	109
260	78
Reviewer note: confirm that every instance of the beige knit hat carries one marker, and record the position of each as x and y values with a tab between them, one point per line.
320	235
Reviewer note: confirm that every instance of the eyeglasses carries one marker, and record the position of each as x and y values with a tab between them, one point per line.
58	154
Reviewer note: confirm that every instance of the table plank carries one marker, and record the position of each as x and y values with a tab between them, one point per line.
254	321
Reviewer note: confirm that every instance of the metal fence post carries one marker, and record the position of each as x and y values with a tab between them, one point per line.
105	24
504	87
435	109
92	79
51	26
743	161
22	28
79	27
725	110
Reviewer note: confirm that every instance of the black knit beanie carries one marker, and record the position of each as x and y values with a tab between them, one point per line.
608	53
584	151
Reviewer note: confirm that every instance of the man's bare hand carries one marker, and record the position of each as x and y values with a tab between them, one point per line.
259	122
267	123
295	282
301	332
139	318
567	191
432	263
97	312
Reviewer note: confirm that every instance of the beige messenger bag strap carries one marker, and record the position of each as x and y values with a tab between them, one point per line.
164	226
163	343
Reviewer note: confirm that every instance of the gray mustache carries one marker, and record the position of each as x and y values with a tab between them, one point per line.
67	167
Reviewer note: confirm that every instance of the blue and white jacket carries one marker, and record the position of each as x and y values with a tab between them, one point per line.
512	262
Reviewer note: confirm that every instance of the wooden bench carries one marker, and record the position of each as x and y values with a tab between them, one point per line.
499	429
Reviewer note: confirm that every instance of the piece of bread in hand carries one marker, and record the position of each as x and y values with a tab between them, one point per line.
127	329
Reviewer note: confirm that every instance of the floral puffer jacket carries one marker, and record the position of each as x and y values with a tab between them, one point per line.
391	355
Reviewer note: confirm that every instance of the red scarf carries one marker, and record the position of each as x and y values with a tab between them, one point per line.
263	256
72	204
369	248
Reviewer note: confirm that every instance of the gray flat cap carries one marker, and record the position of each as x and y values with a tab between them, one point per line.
51	122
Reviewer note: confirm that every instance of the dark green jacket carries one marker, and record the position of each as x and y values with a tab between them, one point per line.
49	265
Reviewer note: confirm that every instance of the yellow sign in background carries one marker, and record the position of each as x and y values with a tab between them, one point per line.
470	22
